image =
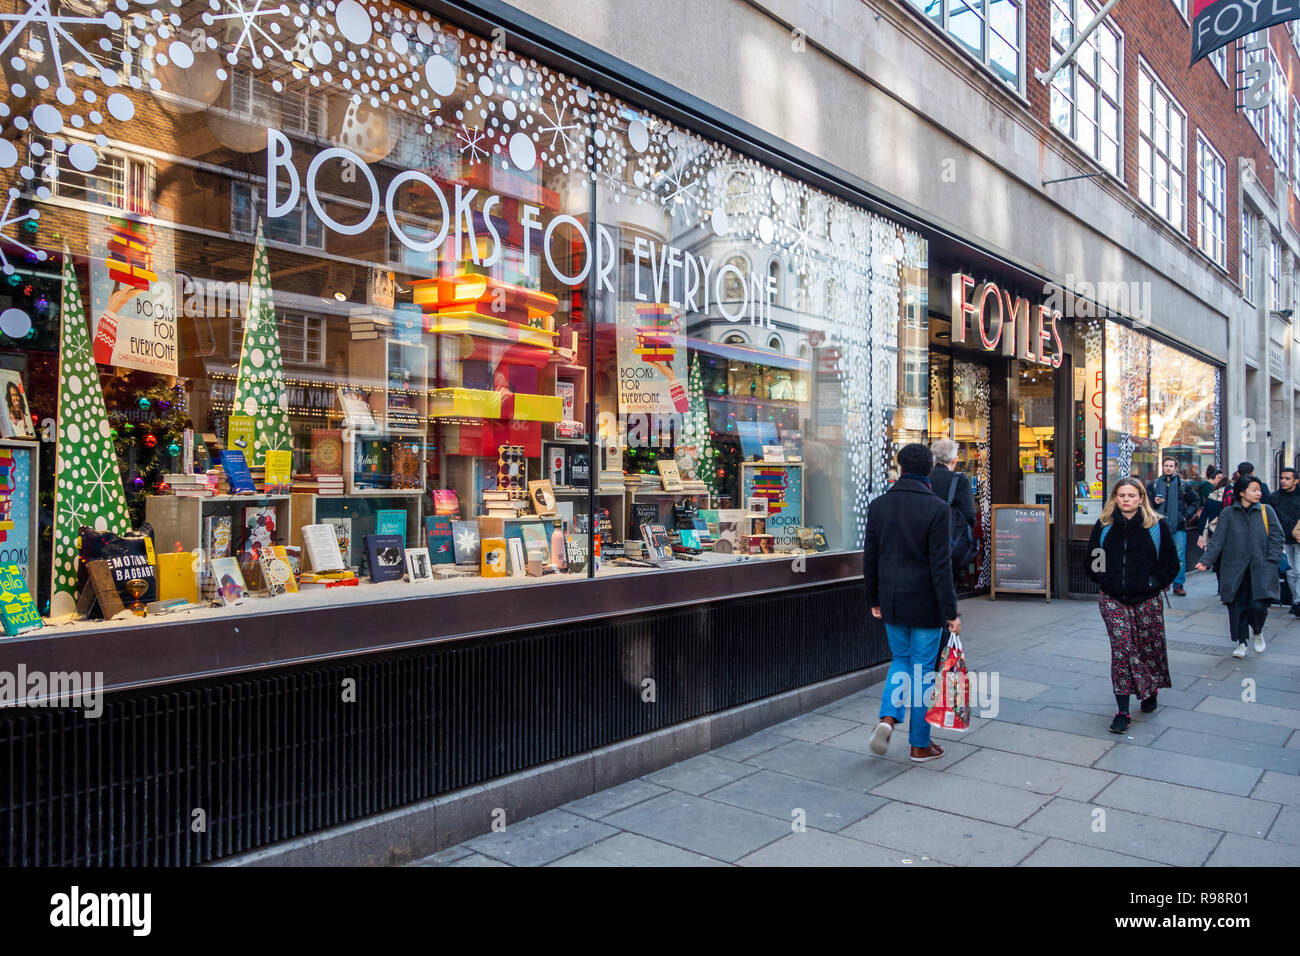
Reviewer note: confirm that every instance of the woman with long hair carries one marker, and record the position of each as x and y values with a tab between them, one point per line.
1132	560
1247	545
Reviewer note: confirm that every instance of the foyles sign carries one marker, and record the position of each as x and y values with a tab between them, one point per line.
1005	323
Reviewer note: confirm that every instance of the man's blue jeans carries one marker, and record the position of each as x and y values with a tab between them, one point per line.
1180	542
911	675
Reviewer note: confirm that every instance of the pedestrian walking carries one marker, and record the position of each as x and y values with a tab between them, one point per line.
1220	487
1286	502
1247	544
907	571
954	488
1175	500
1133	560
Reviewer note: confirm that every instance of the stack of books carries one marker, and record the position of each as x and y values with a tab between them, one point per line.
370	325
326	579
190	486
500	504
635	483
259	477
317	484
694	487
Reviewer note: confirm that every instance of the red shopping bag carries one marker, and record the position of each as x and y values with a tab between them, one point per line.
951	709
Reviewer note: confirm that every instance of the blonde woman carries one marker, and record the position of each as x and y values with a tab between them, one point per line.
1132	560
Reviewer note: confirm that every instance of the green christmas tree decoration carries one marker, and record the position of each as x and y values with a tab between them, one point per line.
695	429
259	389
88	486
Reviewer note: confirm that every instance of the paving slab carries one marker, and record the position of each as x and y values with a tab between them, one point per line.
1237	850
858	741
1278	788
632	849
700	774
1180	768
478	859
948	837
813	727
779	795
1264	694
818	848
704	826
829	765
1034	774
1063	853
1085	724
966	796
1260	713
1120	831
1203	808
605	802
1241	750
1039	742
746	747
1094	692
444	857
1286	828
540	839
1228	727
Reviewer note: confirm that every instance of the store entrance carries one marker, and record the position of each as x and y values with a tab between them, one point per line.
960	409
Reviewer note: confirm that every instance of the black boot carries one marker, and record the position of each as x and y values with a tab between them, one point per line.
1149	705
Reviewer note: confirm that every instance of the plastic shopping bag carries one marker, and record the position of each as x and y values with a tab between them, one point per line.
951	709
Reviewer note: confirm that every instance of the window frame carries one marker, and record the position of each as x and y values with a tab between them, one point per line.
1260	124
1205	149
1277	108
944	24
1246	266
1071	69
1145	70
310	327
257	191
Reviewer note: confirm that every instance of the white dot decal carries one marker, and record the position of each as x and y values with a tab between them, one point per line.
8	155
15	323
47	119
508	109
778	190
74	433
719	221
522	152
400	46
101	523
320	52
425	33
353	21
181	55
103	428
638	136
258	358
250	406
82	157
766	230
120	105
74	385
441	76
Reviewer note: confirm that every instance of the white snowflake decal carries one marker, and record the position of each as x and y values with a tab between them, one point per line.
472	141
7	220
556	126
249	17
64	49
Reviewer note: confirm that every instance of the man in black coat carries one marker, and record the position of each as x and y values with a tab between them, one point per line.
1286	502
907	571
941	482
1177	502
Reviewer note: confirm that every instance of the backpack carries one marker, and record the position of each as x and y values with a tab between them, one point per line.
960	538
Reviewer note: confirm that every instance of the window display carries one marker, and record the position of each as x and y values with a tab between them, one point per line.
351	298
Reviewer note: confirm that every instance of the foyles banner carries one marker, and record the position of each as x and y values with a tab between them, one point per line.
1217	22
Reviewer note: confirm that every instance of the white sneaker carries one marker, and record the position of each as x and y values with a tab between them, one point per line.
1240	651
1259	644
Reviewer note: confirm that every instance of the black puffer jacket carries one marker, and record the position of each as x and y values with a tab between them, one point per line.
1132	571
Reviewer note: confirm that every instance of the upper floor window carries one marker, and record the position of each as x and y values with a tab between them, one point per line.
1181	7
115	179
1248	256
1086	102
990	30
1211	202
302	337
1274	273
1277	117
1258	118
1295	149
1220	60
299	228
1161	147
289	110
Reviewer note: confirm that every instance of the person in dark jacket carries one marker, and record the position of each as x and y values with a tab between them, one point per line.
943	475
907	571
1131	571
1247	543
1286	502
1175	499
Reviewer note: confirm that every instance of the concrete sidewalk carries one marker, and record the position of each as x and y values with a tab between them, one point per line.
1210	779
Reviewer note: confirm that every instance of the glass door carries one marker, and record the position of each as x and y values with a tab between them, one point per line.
959	409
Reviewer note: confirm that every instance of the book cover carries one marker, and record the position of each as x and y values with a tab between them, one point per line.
239	433
465	542
518	561
533	535
670	475
654	550
578	464
554	465
406	465
326	451
279	471
343	535
690	539
371	464
276	573
387	557
131	560
322	546
235	465
439	539
258	532
292	557
216	535
643	513
357	413
178	576
493	559
16	420
229	580
511	470
100	590
391	521
418	565
542	496
18	611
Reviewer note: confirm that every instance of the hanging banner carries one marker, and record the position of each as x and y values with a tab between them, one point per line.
1216	23
132	294
652	372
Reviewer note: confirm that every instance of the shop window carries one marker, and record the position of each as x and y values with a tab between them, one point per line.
1295	149
1086	99
1211	202
114	179
302	337
1161	147
290	110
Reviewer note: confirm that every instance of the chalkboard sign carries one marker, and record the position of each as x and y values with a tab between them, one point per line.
1020	550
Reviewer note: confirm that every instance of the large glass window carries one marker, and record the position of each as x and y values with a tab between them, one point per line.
1247	256
357	293
990	30
1277	116
1211	202
1087	104
1258	118
1161	143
